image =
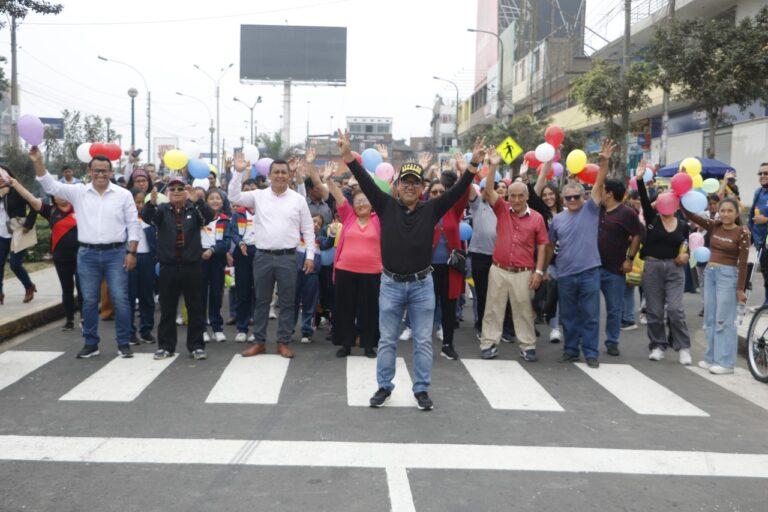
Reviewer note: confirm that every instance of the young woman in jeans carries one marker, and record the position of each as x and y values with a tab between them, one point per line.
665	252
726	276
13	206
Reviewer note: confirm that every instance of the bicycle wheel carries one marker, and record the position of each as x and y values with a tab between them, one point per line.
757	344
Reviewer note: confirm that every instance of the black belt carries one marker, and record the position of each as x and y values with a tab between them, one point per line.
103	247
406	278
277	252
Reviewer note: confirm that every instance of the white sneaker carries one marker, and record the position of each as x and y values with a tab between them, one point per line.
705	365
206	338
641	318
240	338
720	370
306	339
272	313
323	322
219	337
685	357
656	354
439	333
251	338
406	335
555	336
179	320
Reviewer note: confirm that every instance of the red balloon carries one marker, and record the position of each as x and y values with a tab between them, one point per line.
550	174
530	157
113	151
589	174
97	148
681	183
554	135
358	157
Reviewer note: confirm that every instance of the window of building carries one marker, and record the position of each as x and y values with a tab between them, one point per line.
382	128
535	61
369	128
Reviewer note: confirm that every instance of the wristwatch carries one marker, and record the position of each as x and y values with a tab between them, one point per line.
540	272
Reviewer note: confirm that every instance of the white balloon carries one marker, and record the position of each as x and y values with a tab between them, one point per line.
250	153
83	152
545	152
203	183
191	149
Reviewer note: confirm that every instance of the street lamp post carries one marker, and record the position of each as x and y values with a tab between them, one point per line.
133	93
217	83
456	120
108	120
500	92
251	108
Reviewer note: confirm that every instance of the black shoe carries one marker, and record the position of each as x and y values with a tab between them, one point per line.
134	340
370	353
568	358
147	337
88	351
343	352
592	362
529	355
68	326
423	401
380	397
448	352
125	351
198	354
612	350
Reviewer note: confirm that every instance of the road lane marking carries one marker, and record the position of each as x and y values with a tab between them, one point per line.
16	364
639	392
740	383
250	380
121	380
400	497
361	383
506	385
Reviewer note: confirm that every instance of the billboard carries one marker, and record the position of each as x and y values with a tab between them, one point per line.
486	46
299	54
55	125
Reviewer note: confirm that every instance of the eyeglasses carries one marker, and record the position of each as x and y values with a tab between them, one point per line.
572	198
762	174
176	189
100	171
410	184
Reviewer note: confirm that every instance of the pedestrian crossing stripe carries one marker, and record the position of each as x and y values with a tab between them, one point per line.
506	385
15	364
250	380
509	149
361	378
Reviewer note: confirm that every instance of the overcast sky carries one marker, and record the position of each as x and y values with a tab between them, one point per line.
394	49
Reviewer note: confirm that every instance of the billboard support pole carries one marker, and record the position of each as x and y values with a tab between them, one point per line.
286	115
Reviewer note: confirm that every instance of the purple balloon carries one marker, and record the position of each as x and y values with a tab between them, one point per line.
30	129
557	168
261	167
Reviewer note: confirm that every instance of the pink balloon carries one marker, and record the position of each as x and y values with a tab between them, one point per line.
695	240
385	171
558	169
681	183
633	184
667	203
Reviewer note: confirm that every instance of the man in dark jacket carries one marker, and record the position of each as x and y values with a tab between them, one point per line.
179	250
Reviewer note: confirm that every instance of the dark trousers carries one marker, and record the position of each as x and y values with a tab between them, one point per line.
17	264
67	272
447	306
244	287
141	285
268	270
481	265
213	290
357	295
175	280
327	294
305	305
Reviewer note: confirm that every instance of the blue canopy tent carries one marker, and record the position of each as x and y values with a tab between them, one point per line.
710	168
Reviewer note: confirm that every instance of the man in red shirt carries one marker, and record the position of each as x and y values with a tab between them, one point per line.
517	270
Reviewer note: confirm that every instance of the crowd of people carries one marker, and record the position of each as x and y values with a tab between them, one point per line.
312	246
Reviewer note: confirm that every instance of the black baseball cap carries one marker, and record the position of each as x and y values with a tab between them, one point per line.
411	169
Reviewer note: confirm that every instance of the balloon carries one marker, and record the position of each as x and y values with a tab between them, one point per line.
692	166
557	156
250	153
648	175
694	202
701	254
261	167
174	159
213	169
633	184
97	148
576	161
385	171
465	231
588	175
198	169
371	159
200	182
161	198
30	129
544	152
667	203
681	183
382	184
698	181
84	152
358	157
710	185
557	169
695	240
468	156
550	174
554	135
530	157
191	149
113	151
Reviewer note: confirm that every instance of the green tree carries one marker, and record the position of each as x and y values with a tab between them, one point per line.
275	148
714	63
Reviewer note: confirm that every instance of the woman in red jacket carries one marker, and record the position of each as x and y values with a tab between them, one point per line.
448	281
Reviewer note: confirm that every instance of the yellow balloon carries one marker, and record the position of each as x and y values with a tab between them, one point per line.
692	166
175	159
698	181
576	161
213	169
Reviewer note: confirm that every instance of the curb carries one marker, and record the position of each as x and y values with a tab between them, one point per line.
31	321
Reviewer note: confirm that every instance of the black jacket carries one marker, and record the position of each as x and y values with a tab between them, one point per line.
17	206
194	217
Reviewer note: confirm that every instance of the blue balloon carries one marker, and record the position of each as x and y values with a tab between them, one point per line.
157	269
482	183
254	172
701	254
647	176
468	157
198	169
465	231
694	201
371	159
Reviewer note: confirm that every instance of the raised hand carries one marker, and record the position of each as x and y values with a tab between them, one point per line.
494	156
608	148
461	162
331	169
345	147
524	168
640	171
478	151
425	159
293	164
311	153
153	196
240	163
382	149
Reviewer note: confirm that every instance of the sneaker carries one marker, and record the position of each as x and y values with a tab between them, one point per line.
479	335
439	333
179	320
448	352
568	358
162	354
612	350
134	340
125	352
705	365
642	320
628	326
370	353
701	313
306	339
343	352
508	339
147	337
251	338
323	322
489	353
592	362
380	397
206	337
555	336
241	337
720	370
423	401
88	351
685	356
656	354
219	337
406	335
529	355
68	326
198	354
272	313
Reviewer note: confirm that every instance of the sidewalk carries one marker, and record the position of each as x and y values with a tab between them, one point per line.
17	317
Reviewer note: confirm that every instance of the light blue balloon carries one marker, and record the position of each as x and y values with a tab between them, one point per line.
198	169
371	159
482	183
694	201
465	231
647	176
468	157
701	254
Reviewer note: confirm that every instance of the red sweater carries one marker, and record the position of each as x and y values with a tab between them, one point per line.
451	222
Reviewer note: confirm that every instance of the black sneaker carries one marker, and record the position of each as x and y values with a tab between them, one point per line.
612	350
380	397
628	326
423	401
529	355
147	337
198	354
568	358
370	353
592	362
88	351
125	351
448	352
68	326
134	340
489	353
343	352
162	354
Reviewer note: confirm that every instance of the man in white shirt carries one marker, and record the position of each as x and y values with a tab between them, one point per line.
106	220
281	219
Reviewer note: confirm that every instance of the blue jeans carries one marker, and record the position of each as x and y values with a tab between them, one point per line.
92	267
307	297
418	298
213	290
141	285
628	310
17	264
579	296
612	285
720	314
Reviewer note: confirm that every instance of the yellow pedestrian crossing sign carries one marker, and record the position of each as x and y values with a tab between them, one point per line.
509	150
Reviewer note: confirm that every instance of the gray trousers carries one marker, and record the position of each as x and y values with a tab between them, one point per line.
663	285
269	269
